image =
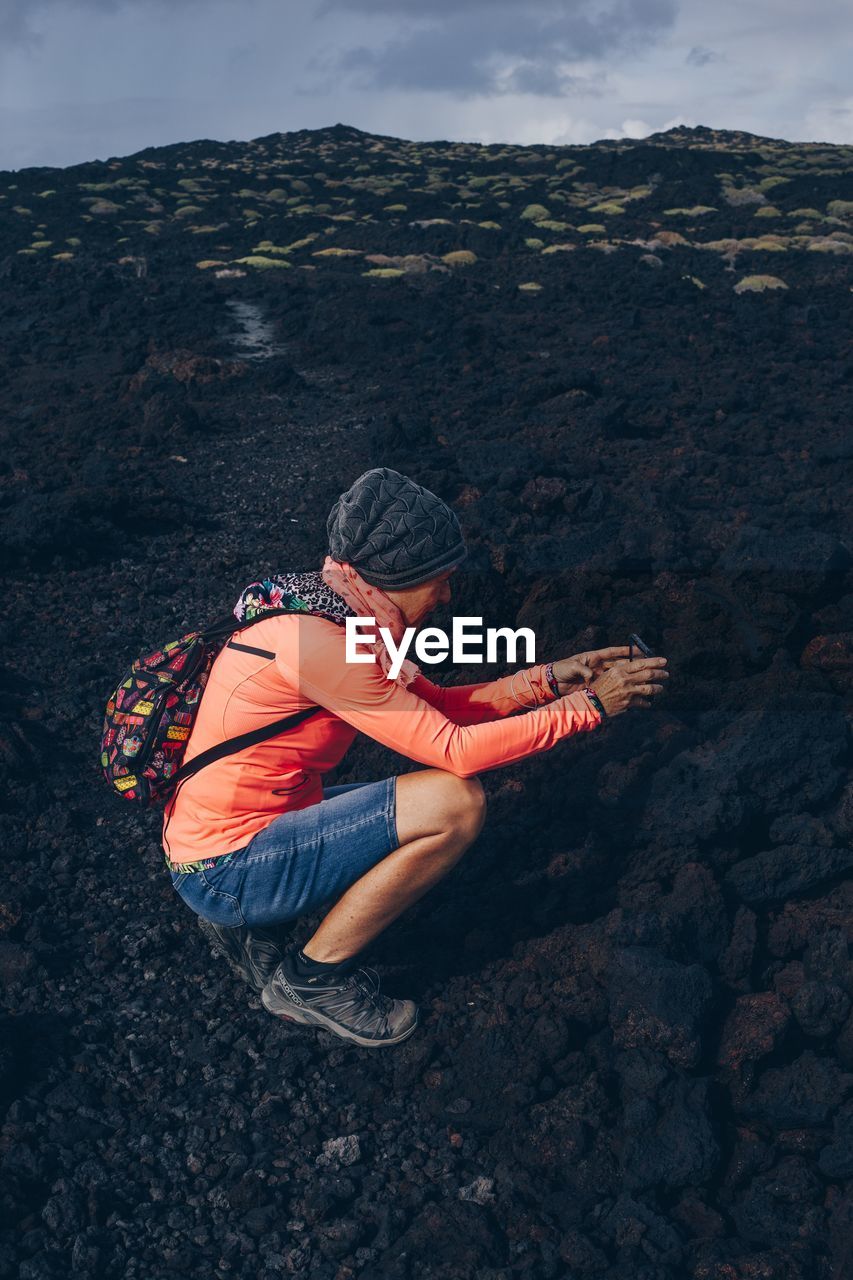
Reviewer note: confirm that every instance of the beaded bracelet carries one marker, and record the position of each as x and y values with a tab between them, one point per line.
524	705
552	682
595	700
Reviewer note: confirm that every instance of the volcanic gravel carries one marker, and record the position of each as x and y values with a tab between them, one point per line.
635	1059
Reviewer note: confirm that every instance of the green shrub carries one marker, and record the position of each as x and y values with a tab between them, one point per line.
826	244
695	212
267	247
728	245
766	244
42	195
72	240
775	180
262	263
533	243
299	244
62	257
592	228
395	208
739	196
41	244
490	226
530	286
758	284
206	263
534	212
337	253
104	206
384	273
459	258
549	224
607	206
767	211
840	208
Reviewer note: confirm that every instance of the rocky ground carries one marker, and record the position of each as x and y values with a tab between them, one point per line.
636	1051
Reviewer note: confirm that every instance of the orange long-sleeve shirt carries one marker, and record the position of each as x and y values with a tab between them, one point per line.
464	729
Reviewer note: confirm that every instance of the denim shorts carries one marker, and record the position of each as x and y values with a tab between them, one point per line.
301	860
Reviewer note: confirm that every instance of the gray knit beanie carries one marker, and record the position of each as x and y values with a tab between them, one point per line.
393	531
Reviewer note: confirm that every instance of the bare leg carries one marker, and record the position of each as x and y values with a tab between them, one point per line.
438	816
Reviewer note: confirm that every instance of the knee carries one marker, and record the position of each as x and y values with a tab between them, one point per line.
466	806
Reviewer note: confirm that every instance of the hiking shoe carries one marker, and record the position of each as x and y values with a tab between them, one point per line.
347	1004
252	953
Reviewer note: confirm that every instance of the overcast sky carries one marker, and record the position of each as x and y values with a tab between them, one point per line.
90	79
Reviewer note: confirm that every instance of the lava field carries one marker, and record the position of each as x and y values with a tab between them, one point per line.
628	366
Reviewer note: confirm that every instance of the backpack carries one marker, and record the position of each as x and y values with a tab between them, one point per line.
150	716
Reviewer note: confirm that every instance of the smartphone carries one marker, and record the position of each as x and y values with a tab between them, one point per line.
634	639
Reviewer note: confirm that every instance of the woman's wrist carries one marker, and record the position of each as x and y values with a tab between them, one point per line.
551	680
595	700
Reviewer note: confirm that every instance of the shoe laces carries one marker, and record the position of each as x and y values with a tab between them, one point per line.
367	981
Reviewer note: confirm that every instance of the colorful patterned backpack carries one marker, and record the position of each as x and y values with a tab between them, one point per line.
150	716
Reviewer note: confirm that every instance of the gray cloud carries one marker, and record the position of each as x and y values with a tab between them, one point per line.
16	16
699	56
485	47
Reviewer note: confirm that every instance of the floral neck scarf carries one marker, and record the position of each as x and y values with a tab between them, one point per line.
337	592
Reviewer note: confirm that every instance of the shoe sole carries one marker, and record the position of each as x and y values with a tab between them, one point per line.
319	1020
218	948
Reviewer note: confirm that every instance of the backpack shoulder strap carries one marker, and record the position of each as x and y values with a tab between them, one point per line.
221	630
230	745
229	624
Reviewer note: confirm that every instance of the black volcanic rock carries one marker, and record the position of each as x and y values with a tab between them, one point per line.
669	1138
658	1004
787	870
803	1094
